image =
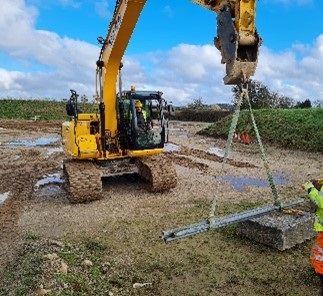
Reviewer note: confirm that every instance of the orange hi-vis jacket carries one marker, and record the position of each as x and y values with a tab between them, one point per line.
317	254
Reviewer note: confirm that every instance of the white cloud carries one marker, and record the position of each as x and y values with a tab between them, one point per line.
296	73
184	72
71	62
7	80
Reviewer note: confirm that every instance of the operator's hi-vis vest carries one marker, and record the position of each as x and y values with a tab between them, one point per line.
144	114
141	118
316	196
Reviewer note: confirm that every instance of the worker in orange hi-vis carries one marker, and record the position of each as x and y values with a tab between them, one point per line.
315	194
242	138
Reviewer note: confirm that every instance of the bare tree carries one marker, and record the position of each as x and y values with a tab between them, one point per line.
197	104
261	98
317	103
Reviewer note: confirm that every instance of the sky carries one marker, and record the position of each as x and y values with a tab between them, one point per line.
48	47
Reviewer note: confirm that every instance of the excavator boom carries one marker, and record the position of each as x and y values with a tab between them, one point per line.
124	20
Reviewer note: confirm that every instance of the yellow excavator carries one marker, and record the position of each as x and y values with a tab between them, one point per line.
110	141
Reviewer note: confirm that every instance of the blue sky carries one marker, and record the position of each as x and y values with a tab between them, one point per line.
48	47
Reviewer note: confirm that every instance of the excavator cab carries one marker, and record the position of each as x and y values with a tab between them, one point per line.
153	133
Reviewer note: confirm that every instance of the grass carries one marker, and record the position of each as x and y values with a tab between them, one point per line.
301	127
46	109
216	263
289	128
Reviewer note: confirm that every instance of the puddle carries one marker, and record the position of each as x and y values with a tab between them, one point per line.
49	179
4	196
183	136
50	190
51	151
176	129
169	147
179	131
216	151
43	141
239	183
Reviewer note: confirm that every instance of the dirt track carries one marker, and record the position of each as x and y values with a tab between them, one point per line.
21	167
32	207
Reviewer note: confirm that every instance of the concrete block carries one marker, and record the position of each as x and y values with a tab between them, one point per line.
279	230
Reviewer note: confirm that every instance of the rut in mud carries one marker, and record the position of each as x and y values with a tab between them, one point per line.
23	165
28	206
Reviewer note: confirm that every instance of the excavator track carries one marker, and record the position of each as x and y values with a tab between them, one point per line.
158	171
82	180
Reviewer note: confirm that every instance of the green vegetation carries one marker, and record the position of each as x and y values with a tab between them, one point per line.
41	109
190	267
289	128
201	115
28	109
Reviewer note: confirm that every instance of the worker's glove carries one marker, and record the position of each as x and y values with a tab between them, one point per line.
317	184
308	186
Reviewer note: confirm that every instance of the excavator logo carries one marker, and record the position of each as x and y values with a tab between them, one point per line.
115	30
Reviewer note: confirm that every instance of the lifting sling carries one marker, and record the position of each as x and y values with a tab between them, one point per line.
218	222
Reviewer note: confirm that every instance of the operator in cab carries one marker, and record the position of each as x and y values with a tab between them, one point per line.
141	116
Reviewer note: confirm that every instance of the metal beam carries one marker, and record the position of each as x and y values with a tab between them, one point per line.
218	222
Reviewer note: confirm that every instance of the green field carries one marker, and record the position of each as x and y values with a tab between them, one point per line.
289	128
44	109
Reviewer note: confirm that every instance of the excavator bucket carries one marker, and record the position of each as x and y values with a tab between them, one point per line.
240	59
237	38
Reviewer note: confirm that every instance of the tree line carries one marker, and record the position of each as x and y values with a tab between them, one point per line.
261	97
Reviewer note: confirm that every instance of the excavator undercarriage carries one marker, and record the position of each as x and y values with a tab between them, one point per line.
82	181
84	178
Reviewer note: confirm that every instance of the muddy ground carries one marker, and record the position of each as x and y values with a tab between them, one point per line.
33	201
